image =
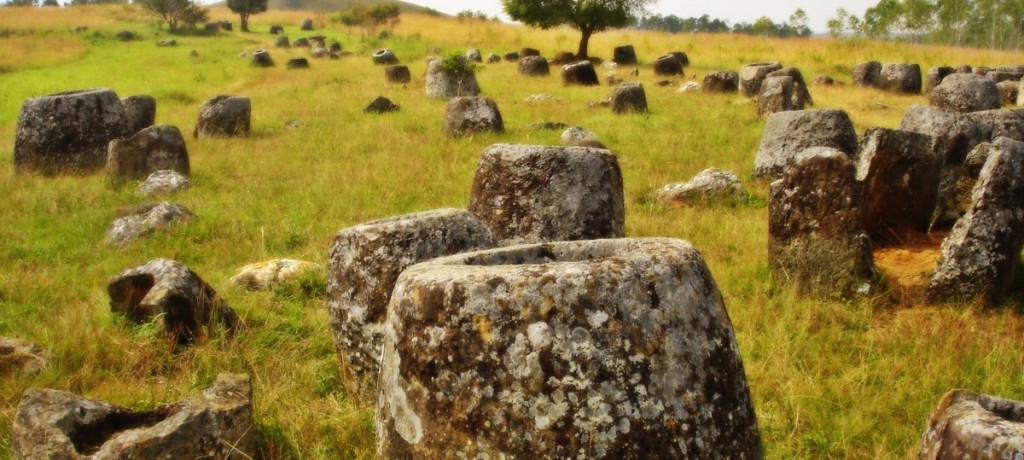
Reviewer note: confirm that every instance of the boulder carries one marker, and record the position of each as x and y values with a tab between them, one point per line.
935	76
1008	91
593	349
397	74
493	58
971	425
578	136
980	256
472	114
801	96
629	98
529	52
1004	75
474	55
145	219
534	66
668	65
306	24
964	68
683	59
531	194
335	46
900	78
282	42
297	63
867	74
815	238
68	132
167	290
140	111
446	83
364	262
982	71
167	42
624	55
52	424
721	81
164	181
224	115
150	150
261	276
301	42
776	96
965	93
711	185
688	87
276	29
581	73
1000	123
126	35
751	76
787	134
21	357
899	171
511	56
261	58
385	57
381	104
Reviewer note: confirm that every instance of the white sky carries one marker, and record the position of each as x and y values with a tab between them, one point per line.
818	11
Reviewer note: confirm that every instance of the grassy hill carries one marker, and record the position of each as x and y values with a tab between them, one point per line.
829	378
340	5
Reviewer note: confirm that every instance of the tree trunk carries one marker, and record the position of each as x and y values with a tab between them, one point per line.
244	19
581	53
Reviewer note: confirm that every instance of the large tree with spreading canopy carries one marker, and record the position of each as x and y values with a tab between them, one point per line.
587	16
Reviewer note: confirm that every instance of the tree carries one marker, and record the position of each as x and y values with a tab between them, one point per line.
246	8
798	23
176	12
587	16
371	18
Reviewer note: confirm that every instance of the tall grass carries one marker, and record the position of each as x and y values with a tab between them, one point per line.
829	378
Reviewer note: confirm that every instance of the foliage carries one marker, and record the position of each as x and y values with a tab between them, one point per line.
371	18
468	15
587	16
988	23
176	13
457	63
763	26
21	3
246	8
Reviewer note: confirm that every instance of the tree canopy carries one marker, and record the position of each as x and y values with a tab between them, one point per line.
176	12
371	18
587	16
246	8
990	23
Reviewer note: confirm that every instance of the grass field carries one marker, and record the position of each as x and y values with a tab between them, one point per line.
829	378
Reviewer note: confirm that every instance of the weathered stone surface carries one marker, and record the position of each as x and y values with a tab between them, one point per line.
385	57
1020	94
167	42
964	68
164	181
261	58
168	290
319	41
511	56
980	255
900	78
624	55
935	77
529	52
493	58
538	98
683	59
534	66
824	80
815	238
668	65
276	29
580	73
801	95
307	24
1008	91
970	171
629	97
265	275
397	74
68	132
145	219
297	63
776	96
381	104
971	425
965	93
899	171
530	194
994	124
578	136
21	357
711	185
474	55
751	76
224	116
445	84
140	111
595	349
999	76
787	134
472	114
150	150
364	262
52	424
125	35
867	74
721	81
301	42
335	46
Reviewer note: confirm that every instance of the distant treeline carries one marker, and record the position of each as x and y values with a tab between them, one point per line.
795	27
982	23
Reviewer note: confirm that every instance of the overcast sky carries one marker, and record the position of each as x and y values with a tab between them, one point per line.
818	11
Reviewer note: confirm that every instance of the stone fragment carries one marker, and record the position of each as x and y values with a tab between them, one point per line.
711	185
164	181
935	77
815	238
787	134
629	98
536	98
899	171
68	132
668	65
965	93
900	78
21	357
578	136
580	73
971	425
493	58
140	111
167	42
265	275
381	104
1008	91
721	81
534	66
224	115
297	63
454	81
399	74
624	55
167	290
801	95
52	424
385	57
150	150
776	96
529	194
145	219
751	76
261	58
593	349
867	74
474	55
980	256
511	56
472	114
364	262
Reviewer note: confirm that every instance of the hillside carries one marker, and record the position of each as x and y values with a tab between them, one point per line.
339	5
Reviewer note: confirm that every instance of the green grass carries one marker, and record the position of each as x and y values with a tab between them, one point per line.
829	378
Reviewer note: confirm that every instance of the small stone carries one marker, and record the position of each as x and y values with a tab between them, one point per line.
282	42
164	181
267	274
577	135
146	219
21	357
297	63
381	104
306	24
711	185
474	55
543	97
167	42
